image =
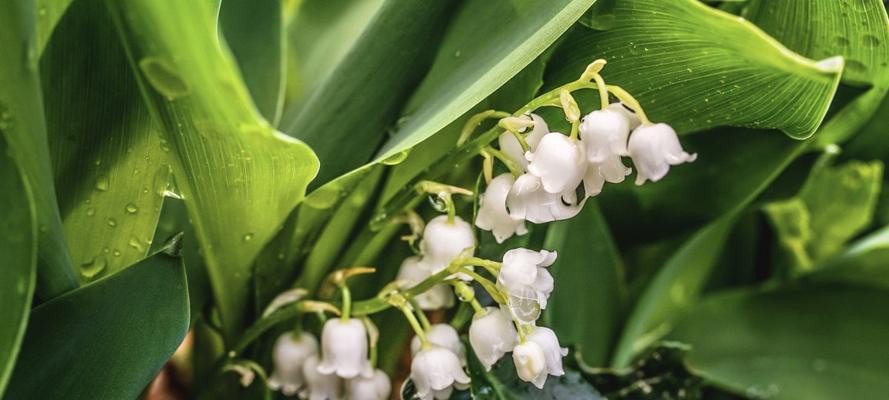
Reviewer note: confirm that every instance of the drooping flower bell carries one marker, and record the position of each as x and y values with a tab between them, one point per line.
290	352
529	201
546	339
413	271
654	148
376	387
492	212
344	349
442	335
436	371
559	163
492	334
524	271
444	241
604	134
530	363
511	147
320	386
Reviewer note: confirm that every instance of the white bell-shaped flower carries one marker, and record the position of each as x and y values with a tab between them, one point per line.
546	339
631	116
344	348
290	352
529	201
604	135
492	213
559	163
320	386
525	270
435	372
593	181
376	387
442	335
530	363
413	271
443	241
510	146
654	148
492	334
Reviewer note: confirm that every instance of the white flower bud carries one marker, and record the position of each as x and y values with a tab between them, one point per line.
320	386
510	146
377	387
435	371
524	271
492	334
530	363
442	335
413	271
527	200
344	349
547	340
443	241
559	163
492	213
654	148
288	356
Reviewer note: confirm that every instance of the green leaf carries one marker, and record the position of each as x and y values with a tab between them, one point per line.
239	177
106	340
23	127
799	343
676	286
585	309
18	244
862	264
49	12
109	162
696	67
254	31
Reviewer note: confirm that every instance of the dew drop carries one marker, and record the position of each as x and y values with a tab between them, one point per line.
397	158
112	222
856	66
163	77
840	41
102	183
136	244
90	211
116	253
132	209
870	40
248	237
93	268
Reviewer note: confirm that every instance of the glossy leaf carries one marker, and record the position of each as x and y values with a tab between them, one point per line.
49	12
110	165
821	342
105	340
239	177
23	127
586	307
18	244
696	67
862	264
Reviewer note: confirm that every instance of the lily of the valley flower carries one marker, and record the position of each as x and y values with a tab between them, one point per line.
529	201
539	356
344	349
510	146
604	135
435	372
492	334
559	163
320	386
290	352
376	387
444	241
654	148
442	335
413	271
524	271
492	212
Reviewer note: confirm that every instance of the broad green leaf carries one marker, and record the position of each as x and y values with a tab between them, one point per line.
467	69
346	118
23	127
49	12
676	286
696	67
110	166
108	339
239	177
817	342
862	264
871	141
254	31
585	309
18	244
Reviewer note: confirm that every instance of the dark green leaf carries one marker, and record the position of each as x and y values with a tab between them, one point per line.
862	264
105	340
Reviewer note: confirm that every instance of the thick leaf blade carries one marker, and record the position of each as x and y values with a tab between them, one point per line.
18	244
801	343
105	340
239	177
696	67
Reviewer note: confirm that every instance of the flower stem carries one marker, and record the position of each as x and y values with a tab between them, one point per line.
628	99
347	302
603	91
474	121
415	325
510	164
